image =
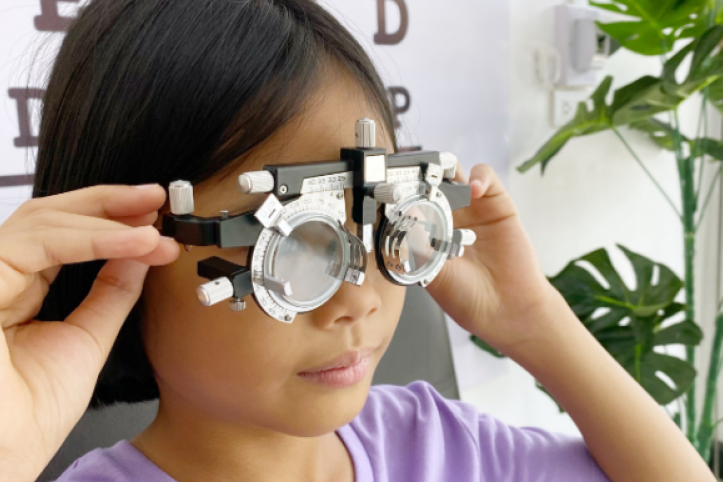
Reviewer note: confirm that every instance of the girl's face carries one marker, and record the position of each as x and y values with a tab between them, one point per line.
245	367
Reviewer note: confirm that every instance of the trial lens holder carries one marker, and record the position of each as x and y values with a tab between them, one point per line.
303	220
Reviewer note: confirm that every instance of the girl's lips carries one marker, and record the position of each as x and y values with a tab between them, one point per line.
347	371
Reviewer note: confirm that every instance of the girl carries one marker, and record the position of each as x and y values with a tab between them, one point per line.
149	91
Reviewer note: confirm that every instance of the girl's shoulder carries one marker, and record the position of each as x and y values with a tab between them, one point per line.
120	463
414	433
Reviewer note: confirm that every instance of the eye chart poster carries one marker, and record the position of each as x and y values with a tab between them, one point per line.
445	65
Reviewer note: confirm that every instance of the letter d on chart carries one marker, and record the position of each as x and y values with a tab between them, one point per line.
383	37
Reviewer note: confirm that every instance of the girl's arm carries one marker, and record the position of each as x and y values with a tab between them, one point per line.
627	432
499	292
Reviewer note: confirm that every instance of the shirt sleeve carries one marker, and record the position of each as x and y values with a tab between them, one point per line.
413	433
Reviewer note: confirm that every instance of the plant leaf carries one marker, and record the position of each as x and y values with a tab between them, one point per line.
627	321
654	25
660	132
710	147
715	94
641	100
585	122
706	65
685	333
679	371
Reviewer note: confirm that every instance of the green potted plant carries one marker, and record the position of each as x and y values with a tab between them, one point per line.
627	322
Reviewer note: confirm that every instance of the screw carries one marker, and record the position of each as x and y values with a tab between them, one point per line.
340	195
439	194
283	189
287	317
224	214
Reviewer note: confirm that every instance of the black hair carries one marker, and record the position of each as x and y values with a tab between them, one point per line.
149	91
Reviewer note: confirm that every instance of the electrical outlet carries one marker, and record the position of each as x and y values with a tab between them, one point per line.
564	105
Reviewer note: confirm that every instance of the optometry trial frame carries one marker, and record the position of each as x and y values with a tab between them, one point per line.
300	249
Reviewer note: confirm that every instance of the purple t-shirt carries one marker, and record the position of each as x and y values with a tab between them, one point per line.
407	434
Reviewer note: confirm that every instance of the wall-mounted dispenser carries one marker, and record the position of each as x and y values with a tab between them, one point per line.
582	46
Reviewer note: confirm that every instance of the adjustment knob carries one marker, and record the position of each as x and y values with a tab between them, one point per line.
388	193
467	237
181	197
215	291
449	164
256	182
366	133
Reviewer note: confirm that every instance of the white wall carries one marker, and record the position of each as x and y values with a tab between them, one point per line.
592	195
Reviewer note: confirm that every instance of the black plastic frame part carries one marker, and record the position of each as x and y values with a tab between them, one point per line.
230	232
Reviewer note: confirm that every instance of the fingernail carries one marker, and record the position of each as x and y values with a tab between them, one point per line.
147	186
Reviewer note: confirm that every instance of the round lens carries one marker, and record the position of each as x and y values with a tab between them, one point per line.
424	225
412	241
310	259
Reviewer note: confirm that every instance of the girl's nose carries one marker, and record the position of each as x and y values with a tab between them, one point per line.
349	304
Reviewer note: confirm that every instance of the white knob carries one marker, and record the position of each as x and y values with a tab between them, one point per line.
366	133
215	291
467	237
449	164
256	181
388	193
180	194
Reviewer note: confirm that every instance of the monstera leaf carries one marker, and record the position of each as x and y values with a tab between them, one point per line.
627	322
641	100
659	132
654	25
662	134
715	94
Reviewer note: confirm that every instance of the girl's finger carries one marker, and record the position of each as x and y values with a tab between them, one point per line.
111	298
33	251
135	221
460	175
105	201
168	251
490	204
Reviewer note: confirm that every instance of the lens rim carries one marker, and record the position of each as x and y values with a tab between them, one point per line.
392	214
276	242
329	205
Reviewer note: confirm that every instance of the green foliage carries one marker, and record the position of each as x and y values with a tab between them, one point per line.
627	322
663	134
639	101
654	25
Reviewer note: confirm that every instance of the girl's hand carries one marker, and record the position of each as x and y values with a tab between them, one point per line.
495	289
48	369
